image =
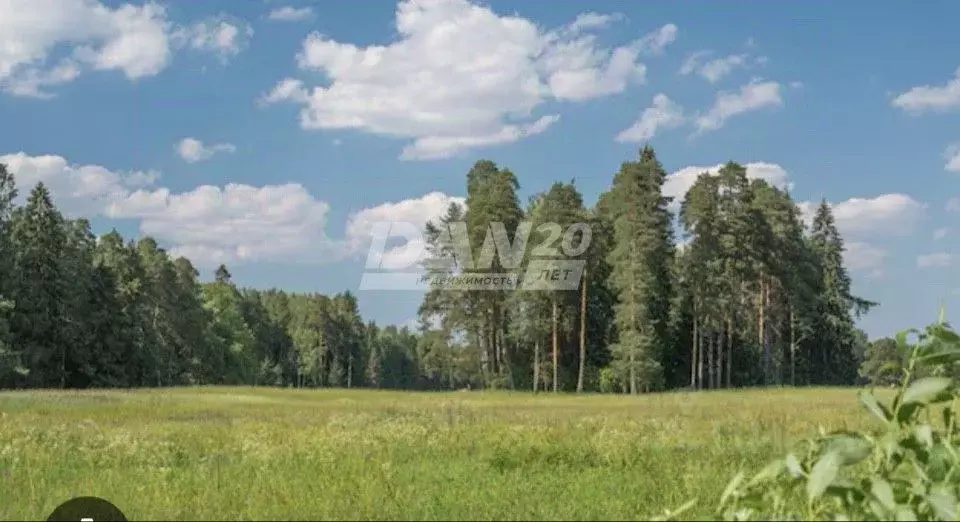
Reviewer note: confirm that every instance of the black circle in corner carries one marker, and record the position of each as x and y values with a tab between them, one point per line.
86	508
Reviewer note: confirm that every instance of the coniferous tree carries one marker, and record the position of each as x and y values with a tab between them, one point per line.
640	261
836	306
749	299
12	369
39	310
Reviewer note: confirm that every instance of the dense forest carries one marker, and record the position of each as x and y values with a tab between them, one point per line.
727	288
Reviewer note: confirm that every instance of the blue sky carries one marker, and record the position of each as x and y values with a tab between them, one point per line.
271	143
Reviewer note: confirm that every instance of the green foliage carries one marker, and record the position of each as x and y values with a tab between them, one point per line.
640	271
883	363
750	298
608	380
907	469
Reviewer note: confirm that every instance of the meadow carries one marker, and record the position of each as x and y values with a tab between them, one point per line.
259	453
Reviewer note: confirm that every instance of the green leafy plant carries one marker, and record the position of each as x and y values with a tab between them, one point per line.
909	469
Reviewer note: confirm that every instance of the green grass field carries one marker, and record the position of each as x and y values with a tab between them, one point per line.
245	453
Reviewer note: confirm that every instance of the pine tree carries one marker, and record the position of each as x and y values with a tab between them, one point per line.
41	291
11	365
834	327
491	201
641	260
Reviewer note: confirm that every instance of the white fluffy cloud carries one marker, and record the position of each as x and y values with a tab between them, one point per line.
885	215
693	61
931	97
656	41
290	14
864	257
889	214
212	225
439	147
679	182
131	39
663	114
952	156
935	260
461	76
940	233
77	189
416	212
32	82
237	222
208	224
718	68
193	150
591	20
752	96
219	35
44	43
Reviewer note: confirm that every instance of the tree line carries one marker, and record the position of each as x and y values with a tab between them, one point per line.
727	288
733	291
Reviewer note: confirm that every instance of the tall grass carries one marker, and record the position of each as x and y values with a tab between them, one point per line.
245	453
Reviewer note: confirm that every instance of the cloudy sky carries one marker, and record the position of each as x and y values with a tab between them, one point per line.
271	135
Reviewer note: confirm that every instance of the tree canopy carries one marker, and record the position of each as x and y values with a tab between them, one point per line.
731	290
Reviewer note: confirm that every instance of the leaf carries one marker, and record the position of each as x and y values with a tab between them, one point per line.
851	449
947	415
873	406
944	333
878	510
906	514
882	491
902	338
944	503
771	471
684	507
925	435
793	466
672	515
731	487
939	462
927	390
905	412
942	345
823	474
939	356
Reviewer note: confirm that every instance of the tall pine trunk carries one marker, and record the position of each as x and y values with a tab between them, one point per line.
556	350
492	343
730	351
693	355
760	333
793	351
583	332
350	371
507	358
711	369
720	345
700	358
768	332
536	366
484	356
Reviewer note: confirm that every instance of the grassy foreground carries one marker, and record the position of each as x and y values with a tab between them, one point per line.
245	453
